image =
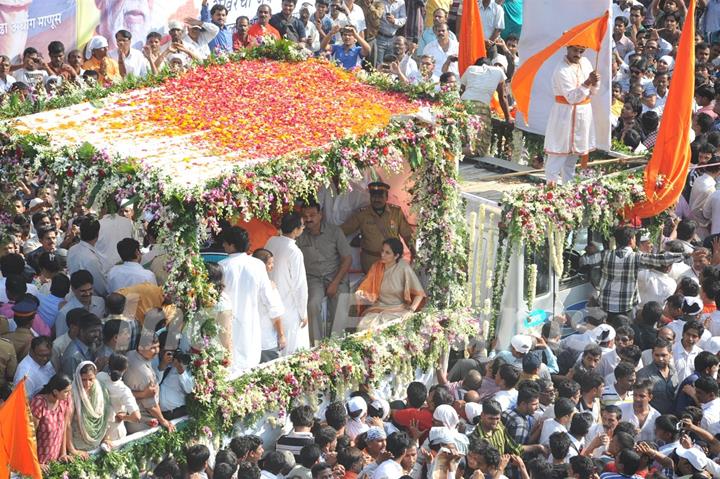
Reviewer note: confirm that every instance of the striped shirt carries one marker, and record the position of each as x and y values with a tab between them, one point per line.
294	442
498	438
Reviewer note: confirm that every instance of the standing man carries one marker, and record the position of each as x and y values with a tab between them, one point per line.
130	272
222	43
247	285
492	16
289	276
262	27
289	26
392	19
663	377
130	60
328	259
570	132
377	223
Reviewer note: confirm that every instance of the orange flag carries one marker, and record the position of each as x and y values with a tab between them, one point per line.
18	449
667	169
472	37
588	34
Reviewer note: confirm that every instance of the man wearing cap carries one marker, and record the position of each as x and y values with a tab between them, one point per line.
24	312
570	132
619	272
97	59
130	60
520	345
177	45
376	223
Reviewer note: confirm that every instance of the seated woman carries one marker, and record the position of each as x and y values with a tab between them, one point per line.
391	288
92	409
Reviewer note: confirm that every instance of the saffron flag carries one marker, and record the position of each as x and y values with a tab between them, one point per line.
472	37
588	34
667	169
18	449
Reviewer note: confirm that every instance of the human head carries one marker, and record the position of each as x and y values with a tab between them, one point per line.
392	251
490	416
264	12
274	462
397	444
322	470
60	285
706	389
291	224
89	229
196	458
326	438
336	415
81	282
218	12
692	332
610	416
574	53
90	329
559	445
625	236
662	353
642	394
123	40
235	240
129	249
40	349
310	454
58	386
582	467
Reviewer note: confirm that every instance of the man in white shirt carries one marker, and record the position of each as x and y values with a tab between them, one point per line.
130	60
702	188
493	19
640	413
686	349
407	65
130	272
247	286
397	444
176	383
706	390
199	34
85	256
291	280
655	284
506	378
81	284
113	228
444	50
564	410
36	366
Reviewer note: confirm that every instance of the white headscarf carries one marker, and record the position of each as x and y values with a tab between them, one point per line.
95	42
447	415
356	407
670	61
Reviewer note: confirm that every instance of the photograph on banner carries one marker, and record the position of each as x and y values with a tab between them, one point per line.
541	27
35	23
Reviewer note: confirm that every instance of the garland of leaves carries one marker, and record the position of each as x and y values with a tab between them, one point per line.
87	176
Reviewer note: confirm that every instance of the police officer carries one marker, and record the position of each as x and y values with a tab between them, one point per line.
376	223
24	312
8	358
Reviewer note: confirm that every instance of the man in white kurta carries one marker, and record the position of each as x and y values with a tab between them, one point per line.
570	131
247	286
289	276
702	188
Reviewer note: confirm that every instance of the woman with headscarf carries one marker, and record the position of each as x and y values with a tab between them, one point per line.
97	59
93	410
446	417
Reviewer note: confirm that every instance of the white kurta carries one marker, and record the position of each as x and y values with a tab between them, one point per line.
289	276
702	188
247	286
113	228
570	129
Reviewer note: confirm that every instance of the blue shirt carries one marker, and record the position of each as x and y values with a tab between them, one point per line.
348	59
49	308
223	41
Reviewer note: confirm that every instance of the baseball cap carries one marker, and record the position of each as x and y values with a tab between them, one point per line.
522	343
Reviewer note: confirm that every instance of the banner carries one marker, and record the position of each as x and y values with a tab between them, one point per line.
542	26
35	23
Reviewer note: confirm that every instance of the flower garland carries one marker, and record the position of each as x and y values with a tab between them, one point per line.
87	175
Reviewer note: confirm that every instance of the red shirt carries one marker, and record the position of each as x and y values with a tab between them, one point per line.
256	32
423	416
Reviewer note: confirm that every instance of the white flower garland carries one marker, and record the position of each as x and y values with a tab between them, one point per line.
532	284
556	243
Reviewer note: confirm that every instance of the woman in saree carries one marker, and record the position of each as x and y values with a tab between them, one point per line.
93	410
391	289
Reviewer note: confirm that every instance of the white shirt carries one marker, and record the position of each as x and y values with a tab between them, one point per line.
389	469
684	361
714	325
681	270
356	17
647	431
247	286
711	210
113	228
127	274
654	285
174	388
97	307
549	427
408	66
135	63
711	416
493	18
507	399
7	83
121	400
86	256
206	35
701	190
268	337
31	78
607	363
610	396
31	288
435	50
677	326
37	376
481	82
291	280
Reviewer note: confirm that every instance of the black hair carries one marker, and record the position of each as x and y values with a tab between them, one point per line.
81	277
58	382
168	467
705	122
290	222
707	384
589	381
623	20
336	415
118	364
40	341
583	466
237	237
153	35
226	456
624	370
310	454
115	303
580	424
274	462
667	423
693	324
318	469
527	394
124	34
89	229
661	343
397	443
563	407
624	439
396	246
325	435
127	248
224	470
218	7
416	394
629	460
55	47
302	416
688	286
12	264
248	470
624	235
559	445
567	388
441	395
15	286
491	407
652	312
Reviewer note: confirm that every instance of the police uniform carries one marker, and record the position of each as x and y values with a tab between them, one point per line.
8	361
25	309
376	228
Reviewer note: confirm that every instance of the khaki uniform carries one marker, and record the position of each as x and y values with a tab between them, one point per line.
375	229
20	340
8	362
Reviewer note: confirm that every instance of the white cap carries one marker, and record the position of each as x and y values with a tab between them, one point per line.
382	405
502	61
692	305
603	333
695	456
176	25
440	435
522	343
35	202
472	410
356	404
